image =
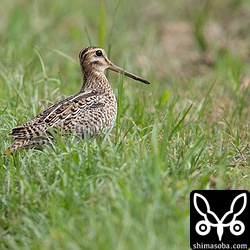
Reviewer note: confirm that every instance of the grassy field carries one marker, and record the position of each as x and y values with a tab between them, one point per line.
188	130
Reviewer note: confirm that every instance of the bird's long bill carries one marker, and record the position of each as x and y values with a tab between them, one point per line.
126	73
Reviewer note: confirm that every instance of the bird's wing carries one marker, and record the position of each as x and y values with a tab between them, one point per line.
59	116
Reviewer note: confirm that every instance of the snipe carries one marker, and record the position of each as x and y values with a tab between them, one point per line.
92	111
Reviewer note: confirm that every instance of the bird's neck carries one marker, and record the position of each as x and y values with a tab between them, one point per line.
96	81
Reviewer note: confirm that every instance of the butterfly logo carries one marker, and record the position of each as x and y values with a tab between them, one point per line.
210	219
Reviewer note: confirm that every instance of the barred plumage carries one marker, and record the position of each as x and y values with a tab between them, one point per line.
90	112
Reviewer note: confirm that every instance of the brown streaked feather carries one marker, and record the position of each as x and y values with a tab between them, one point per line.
60	115
25	143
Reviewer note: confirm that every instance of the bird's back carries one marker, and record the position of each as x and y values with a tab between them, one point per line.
86	113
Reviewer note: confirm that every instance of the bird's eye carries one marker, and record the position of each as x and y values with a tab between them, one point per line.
98	53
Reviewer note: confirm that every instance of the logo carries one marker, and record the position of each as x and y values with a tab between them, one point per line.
203	227
219	219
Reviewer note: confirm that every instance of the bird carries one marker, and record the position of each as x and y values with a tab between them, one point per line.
90	112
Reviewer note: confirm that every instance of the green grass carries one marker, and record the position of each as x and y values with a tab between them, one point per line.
188	130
